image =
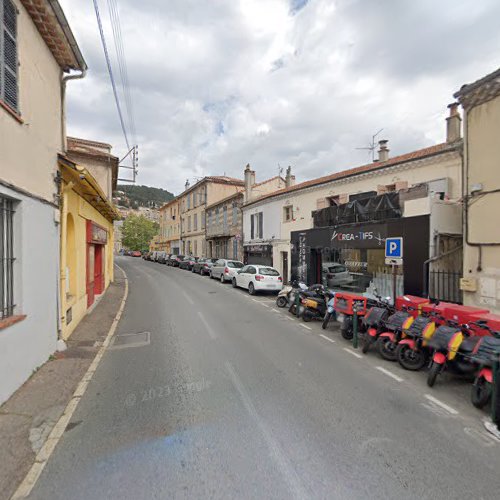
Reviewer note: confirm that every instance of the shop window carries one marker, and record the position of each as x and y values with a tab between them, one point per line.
288	213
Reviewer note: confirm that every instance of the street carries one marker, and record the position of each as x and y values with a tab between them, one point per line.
222	395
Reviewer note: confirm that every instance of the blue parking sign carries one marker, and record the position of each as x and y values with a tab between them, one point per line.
394	248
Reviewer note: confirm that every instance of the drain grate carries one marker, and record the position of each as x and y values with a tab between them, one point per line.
130	340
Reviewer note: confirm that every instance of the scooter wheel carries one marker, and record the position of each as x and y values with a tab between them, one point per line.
326	320
307	316
410	359
434	371
386	348
281	302
481	393
346	330
366	343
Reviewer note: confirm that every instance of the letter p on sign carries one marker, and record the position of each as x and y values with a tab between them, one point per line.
394	248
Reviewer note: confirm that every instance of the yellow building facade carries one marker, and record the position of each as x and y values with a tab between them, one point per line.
481	192
170	227
86	250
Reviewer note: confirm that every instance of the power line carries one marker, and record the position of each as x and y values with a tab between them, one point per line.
122	64
110	71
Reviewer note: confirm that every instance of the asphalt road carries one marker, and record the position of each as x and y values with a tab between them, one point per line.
229	397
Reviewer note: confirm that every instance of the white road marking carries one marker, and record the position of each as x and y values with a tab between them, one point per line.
287	470
255	300
389	373
449	409
210	330
188	298
263	305
275	311
327	338
42	457
353	353
481	437
305	326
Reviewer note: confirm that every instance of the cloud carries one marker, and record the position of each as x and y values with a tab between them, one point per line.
220	84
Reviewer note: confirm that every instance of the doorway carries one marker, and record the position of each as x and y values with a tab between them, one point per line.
95	272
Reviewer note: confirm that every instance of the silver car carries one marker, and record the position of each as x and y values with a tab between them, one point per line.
225	269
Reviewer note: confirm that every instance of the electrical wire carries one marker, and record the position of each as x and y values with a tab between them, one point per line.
110	71
122	64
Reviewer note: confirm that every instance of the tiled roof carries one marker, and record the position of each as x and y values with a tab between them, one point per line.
414	155
480	91
90	148
51	22
224	179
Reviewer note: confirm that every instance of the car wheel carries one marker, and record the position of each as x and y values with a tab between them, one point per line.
222	279
233	282
211	275
251	289
201	271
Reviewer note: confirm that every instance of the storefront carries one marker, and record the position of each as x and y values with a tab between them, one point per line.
97	237
352	257
258	254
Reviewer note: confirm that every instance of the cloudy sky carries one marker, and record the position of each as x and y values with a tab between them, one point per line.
217	84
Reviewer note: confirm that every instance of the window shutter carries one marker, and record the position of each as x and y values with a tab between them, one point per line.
252	226
321	203
8	57
261	219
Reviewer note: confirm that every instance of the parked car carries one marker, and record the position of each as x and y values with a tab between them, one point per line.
136	253
162	257
175	260
225	269
203	266
335	274
146	255
258	278
188	262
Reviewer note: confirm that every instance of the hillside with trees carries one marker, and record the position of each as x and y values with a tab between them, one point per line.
141	196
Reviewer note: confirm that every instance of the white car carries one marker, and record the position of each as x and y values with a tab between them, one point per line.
225	269
258	278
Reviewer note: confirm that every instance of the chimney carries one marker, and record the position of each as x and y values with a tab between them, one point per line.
186	186
249	182
453	123
383	152
289	179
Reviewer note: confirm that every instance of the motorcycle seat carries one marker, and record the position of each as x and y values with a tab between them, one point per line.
468	345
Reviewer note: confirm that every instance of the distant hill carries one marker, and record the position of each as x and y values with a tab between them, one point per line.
141	196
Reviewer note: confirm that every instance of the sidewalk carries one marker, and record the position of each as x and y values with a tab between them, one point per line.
27	418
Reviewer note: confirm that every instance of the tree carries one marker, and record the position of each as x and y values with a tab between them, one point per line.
137	232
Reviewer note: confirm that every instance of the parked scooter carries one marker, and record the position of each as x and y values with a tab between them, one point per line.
394	327
316	307
283	299
484	355
330	313
453	347
374	320
297	295
413	352
344	304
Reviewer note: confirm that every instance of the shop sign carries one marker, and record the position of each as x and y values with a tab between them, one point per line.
96	234
258	248
371	236
302	267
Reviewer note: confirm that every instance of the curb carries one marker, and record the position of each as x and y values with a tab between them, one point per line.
42	457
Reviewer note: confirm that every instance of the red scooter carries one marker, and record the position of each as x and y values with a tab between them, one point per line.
487	350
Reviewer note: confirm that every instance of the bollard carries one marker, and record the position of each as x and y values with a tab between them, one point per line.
355	328
495	397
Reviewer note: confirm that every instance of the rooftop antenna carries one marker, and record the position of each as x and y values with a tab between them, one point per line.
372	146
280	170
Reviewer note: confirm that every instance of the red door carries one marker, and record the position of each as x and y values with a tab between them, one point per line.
90	274
98	270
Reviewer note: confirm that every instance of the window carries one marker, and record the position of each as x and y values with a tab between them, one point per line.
225	215
256	226
8	54
6	257
195	222
288	213
188	201
235	213
234	264
268	271
202	220
189	223
217	215
251	270
195	247
333	201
